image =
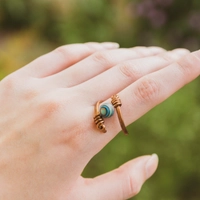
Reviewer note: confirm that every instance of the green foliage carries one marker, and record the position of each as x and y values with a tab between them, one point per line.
29	28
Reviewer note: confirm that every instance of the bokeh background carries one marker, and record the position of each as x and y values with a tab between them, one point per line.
30	28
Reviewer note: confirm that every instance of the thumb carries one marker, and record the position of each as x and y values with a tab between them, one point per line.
124	182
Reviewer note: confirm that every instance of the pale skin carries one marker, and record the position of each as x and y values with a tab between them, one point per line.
47	133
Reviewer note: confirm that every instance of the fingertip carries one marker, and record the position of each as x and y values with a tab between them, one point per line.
197	53
96	46
157	50
181	51
110	45
151	165
148	51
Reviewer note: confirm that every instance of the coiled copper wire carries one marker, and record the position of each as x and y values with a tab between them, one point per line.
116	102
98	120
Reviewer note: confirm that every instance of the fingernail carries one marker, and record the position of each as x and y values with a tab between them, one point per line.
151	165
156	50
197	53
110	45
182	52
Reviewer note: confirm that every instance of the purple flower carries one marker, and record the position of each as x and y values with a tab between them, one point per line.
164	3
144	7
157	17
194	20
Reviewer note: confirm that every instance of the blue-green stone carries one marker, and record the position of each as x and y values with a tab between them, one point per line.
106	110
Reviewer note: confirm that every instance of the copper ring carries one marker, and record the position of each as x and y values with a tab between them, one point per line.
98	119
116	102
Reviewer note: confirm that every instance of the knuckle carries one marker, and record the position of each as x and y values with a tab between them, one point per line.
102	57
50	107
15	83
29	93
77	140
187	65
166	57
63	52
9	82
13	86
133	186
130	71
147	90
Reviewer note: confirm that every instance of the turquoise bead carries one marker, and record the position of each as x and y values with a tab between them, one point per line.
106	110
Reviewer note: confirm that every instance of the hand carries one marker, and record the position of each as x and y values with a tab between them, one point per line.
47	133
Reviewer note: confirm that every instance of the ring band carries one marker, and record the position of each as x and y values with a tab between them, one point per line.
116	102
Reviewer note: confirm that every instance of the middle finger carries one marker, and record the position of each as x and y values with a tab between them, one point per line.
98	63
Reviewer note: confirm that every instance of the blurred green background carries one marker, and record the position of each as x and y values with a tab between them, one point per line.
30	28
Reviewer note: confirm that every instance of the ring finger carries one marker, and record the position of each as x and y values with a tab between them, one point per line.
117	78
152	89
